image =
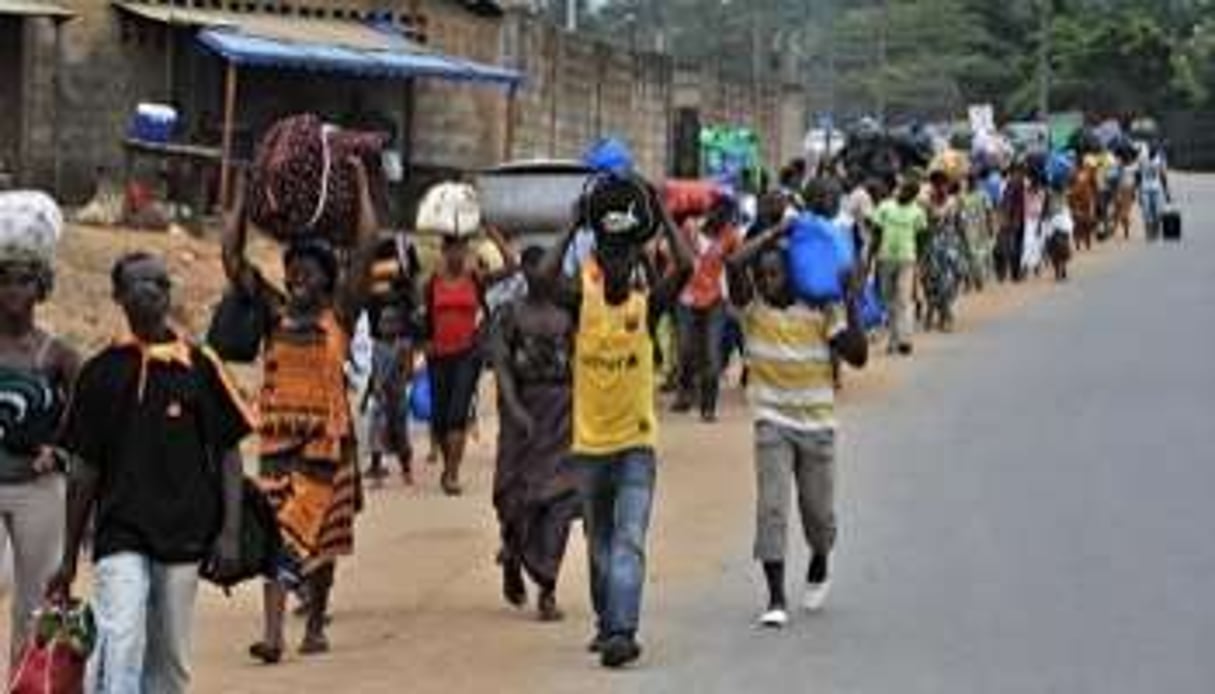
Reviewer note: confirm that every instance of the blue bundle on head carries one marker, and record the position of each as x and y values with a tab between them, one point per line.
815	260
609	155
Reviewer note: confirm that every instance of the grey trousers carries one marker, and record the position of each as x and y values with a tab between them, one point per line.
784	456
32	514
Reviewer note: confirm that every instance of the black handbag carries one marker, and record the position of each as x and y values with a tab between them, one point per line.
238	326
260	542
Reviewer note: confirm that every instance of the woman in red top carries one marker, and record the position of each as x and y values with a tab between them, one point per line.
701	315
455	299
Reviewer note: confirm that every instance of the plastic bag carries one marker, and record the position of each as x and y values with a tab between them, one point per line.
238	325
451	209
814	260
53	660
420	397
260	542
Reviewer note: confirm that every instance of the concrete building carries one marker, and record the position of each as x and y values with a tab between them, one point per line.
29	31
115	54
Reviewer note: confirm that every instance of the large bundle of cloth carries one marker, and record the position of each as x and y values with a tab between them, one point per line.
30	226
302	183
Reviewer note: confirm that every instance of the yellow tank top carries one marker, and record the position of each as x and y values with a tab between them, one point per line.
613	373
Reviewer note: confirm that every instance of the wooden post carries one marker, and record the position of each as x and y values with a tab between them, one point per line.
225	171
512	115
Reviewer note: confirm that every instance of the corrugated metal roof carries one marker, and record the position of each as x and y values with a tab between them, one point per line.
247	48
34	8
333	32
322	45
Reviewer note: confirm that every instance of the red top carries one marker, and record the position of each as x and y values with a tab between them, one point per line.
707	286
454	307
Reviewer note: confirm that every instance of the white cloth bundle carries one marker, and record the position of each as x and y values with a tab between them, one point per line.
31	224
450	209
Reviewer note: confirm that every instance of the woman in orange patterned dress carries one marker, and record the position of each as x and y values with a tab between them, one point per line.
309	469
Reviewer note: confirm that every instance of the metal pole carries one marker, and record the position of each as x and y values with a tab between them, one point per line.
571	15
225	171
883	59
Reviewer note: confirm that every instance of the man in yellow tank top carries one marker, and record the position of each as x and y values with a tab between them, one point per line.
615	423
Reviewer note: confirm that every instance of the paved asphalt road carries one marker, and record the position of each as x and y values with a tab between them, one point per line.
1031	511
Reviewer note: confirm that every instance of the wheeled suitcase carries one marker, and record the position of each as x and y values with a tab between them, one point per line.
1170	224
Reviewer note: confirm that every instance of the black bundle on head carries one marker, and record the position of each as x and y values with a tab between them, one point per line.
620	207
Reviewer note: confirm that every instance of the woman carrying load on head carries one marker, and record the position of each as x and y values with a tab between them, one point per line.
455	310
37	370
308	457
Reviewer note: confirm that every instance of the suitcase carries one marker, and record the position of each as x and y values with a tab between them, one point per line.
1170	225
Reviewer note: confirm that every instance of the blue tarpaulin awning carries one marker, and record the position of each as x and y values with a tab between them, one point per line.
263	51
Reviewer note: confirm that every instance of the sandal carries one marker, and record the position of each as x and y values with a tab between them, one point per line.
269	655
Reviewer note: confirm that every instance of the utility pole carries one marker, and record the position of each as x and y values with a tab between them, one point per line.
1045	49
883	58
571	15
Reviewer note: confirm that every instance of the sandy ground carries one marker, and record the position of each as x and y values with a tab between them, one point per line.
418	608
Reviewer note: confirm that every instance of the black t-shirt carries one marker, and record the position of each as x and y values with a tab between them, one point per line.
155	422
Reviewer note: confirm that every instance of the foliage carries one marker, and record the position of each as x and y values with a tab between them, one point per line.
928	58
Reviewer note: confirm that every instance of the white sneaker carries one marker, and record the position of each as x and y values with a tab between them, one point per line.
816	596
775	618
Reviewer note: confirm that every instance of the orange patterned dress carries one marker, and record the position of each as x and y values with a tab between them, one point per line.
308	461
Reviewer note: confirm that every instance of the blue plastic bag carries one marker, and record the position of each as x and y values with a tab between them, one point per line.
1060	167
421	400
873	312
845	243
814	260
609	155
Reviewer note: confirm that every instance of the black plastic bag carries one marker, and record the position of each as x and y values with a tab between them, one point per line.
260	542
238	326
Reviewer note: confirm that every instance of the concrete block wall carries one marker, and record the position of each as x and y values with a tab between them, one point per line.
459	126
105	72
578	90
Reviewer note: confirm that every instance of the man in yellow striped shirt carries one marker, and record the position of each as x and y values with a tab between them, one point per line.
789	346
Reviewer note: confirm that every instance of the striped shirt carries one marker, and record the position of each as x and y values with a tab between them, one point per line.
789	364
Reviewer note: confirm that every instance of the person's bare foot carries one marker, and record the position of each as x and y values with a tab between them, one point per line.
546	607
268	654
451	485
314	644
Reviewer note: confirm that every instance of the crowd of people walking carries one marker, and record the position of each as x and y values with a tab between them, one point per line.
136	452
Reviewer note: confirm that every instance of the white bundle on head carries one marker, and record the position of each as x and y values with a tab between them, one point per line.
451	209
31	224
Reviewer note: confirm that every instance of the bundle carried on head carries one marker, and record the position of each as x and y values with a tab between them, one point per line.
30	227
621	208
450	209
302	183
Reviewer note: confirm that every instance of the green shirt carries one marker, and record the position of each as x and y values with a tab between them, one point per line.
899	224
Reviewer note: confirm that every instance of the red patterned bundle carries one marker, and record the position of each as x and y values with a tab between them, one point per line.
302	183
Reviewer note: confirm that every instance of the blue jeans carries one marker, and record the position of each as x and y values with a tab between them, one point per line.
144	612
1151	202
617	493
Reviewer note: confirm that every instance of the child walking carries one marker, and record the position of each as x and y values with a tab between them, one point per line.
384	402
790	346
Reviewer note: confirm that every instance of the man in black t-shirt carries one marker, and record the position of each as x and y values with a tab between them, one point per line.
156	424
